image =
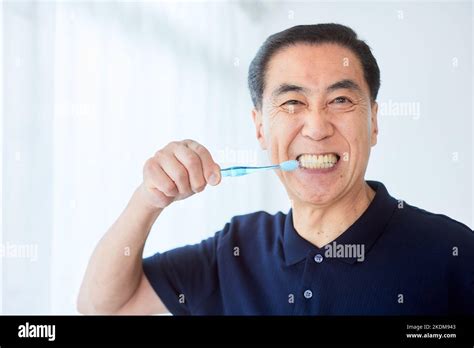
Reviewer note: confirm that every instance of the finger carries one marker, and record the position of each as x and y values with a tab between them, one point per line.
212	171
192	163
156	178
176	171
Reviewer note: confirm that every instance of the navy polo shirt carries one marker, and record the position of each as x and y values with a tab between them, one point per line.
414	263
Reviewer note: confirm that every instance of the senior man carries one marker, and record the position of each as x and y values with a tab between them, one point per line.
346	247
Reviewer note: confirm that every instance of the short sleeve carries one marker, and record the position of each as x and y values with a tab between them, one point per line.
184	277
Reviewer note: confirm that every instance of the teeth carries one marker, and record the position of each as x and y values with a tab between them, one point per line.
318	161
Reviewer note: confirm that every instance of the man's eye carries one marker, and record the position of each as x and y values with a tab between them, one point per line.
292	106
291	102
341	100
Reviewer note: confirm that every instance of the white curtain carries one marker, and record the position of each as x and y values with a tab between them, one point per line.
90	90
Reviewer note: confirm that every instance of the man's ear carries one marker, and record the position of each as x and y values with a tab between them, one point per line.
258	122
374	128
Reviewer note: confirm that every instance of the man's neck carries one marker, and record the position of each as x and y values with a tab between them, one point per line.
322	225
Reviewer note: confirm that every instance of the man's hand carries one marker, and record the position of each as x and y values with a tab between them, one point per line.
114	284
176	172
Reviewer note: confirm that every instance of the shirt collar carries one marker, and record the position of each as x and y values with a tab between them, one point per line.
365	230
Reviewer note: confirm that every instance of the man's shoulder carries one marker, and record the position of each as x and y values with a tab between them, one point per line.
433	225
252	227
258	219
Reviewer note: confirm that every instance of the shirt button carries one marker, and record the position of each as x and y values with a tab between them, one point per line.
308	294
318	258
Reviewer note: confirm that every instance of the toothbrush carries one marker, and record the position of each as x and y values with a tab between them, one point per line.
286	166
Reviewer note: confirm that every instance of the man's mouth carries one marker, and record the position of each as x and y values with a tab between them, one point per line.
318	161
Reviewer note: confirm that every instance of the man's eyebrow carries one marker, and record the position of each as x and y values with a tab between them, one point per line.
344	84
286	87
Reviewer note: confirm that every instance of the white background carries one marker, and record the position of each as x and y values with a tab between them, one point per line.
90	90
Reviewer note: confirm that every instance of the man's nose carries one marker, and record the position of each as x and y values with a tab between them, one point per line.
317	125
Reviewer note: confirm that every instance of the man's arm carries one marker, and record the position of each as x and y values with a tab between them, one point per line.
114	282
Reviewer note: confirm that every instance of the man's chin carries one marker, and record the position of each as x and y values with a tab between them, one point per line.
318	199
315	189
321	196
319	184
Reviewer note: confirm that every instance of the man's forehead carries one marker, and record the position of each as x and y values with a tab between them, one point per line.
314	68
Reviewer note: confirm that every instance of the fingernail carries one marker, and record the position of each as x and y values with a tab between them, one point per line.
213	179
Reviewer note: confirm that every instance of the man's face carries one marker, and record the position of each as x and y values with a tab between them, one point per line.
316	102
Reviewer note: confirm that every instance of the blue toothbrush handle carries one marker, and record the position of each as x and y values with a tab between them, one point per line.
233	172
238	171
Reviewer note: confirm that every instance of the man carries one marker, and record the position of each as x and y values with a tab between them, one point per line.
345	248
